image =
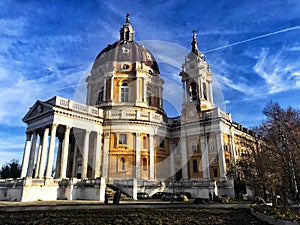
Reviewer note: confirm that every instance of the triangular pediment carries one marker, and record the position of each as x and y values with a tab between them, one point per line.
38	109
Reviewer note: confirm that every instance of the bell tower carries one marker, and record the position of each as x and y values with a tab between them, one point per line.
197	79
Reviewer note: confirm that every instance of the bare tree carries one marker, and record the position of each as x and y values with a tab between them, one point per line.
273	167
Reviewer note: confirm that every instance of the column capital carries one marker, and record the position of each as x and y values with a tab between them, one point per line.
106	134
138	134
28	135
55	125
87	131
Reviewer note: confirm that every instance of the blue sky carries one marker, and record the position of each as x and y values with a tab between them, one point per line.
46	47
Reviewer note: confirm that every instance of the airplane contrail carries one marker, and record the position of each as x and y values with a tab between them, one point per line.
254	38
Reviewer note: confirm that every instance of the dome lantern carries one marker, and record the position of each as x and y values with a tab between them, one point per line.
127	31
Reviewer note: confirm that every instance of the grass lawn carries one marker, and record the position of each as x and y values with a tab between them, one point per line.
132	216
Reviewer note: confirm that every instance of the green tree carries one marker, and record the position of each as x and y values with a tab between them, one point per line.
10	170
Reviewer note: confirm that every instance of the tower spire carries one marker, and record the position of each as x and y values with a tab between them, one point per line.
194	43
127	31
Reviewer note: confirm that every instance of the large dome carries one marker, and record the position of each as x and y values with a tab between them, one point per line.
126	52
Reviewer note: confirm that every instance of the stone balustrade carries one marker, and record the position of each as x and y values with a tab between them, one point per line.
77	107
133	115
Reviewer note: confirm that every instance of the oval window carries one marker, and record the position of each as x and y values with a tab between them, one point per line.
125	67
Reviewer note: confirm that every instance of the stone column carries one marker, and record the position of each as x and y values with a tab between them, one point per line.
74	161
184	91
64	155
51	151
201	86
105	155
43	153
211	92
183	158
97	152
233	151
204	157
58	157
32	155
38	158
85	154
88	96
137	85
221	155
160	96
144	90
151	150
104	89
26	153
138	155
112	88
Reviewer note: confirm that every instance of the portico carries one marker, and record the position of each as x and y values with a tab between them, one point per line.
60	134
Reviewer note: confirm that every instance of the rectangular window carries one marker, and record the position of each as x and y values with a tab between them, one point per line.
123	139
125	92
194	146
212	144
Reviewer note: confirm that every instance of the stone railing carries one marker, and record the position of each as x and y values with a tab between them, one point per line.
134	115
76	106
12	182
87	183
140	183
190	184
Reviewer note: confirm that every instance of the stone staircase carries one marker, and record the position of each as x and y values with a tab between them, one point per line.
110	190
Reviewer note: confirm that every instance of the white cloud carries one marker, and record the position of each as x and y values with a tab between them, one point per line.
8	146
279	70
12	26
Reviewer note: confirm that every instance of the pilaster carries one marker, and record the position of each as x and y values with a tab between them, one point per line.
205	158
137	155
221	155
151	150
97	153
105	154
183	157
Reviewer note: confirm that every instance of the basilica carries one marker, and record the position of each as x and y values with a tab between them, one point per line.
122	136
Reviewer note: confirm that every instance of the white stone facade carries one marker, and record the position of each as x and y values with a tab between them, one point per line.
72	149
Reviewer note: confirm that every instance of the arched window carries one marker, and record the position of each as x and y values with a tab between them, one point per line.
100	96
124	92
149	96
145	164
193	91
122	160
204	91
195	166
